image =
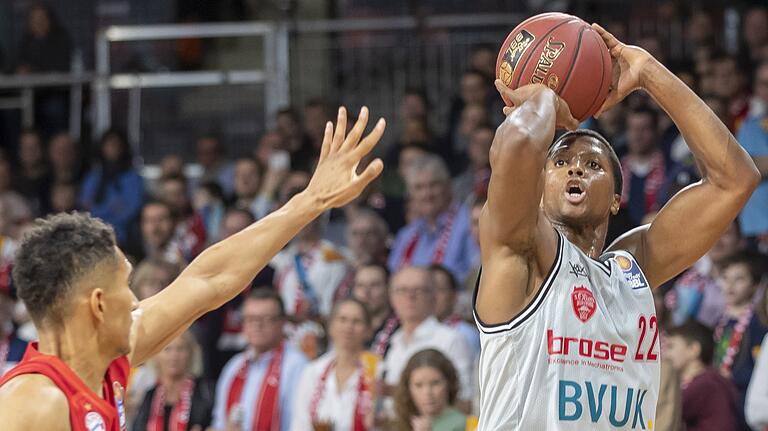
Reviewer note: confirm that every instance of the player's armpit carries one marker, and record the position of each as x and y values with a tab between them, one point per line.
33	403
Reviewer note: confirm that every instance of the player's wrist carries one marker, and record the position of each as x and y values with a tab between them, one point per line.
650	69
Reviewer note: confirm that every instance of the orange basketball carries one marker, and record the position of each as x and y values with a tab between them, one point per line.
562	52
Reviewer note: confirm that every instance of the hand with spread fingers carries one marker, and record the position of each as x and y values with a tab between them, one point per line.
628	64
336	181
518	96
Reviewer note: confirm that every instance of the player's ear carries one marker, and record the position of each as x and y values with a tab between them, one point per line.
615	204
96	302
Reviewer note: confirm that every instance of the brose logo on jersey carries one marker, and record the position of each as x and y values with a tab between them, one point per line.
632	273
575	399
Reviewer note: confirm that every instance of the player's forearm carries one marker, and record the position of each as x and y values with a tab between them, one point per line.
231	264
722	160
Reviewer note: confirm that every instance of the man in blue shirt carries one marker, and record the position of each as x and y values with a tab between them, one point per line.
260	383
439	231
753	136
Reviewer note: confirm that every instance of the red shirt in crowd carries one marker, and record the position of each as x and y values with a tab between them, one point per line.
709	403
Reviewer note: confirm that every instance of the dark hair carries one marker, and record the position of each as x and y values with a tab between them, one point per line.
351	300
175	178
755	263
266	293
694	332
155	202
126	157
404	405
565	138
380	267
241	211
646	110
213	188
52	258
436	267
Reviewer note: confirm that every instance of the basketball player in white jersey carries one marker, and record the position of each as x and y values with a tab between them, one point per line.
569	334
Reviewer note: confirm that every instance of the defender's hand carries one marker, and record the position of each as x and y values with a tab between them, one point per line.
336	181
628	64
563	119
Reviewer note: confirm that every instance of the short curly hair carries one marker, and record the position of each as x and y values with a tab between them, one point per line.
54	255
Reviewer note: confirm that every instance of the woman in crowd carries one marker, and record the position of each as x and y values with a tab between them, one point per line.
337	388
113	190
426	394
180	401
151	276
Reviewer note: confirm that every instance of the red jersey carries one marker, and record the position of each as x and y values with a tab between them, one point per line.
87	410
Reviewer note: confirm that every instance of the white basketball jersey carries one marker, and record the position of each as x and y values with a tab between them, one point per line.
583	355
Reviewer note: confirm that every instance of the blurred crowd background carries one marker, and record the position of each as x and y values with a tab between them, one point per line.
163	139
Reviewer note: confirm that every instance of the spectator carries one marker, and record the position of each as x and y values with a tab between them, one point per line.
483	60
271	143
696	294
709	399
113	190
317	113
45	45
370	288
151	276
291	133
367	236
247	183
412	296
157	230
33	176
171	165
63	197
728	82
753	136
426	394
338	388
471	281
446	292
15	214
474	180
756	406
190	230
210	156
208	201
739	333
66	161
268	370
644	167
472	117
11	347
440	233
180	400
6	173
754	31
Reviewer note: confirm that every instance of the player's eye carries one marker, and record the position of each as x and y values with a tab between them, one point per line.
560	162
594	165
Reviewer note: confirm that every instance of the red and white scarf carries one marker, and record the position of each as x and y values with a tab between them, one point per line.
363	401
653	180
267	409
179	419
734	342
381	342
442	243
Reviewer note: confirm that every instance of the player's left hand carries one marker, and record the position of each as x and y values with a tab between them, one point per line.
336	182
628	64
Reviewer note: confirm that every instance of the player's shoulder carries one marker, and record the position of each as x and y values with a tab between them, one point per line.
31	402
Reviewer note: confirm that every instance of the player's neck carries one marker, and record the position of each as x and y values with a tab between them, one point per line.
589	239
84	358
691	371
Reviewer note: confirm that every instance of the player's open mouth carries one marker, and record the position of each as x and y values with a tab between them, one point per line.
574	192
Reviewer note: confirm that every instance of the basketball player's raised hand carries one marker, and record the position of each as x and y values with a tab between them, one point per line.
628	63
519	95
336	181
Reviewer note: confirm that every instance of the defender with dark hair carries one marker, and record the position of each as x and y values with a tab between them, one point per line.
75	282
563	316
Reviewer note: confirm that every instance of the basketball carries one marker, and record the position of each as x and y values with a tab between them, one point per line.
562	52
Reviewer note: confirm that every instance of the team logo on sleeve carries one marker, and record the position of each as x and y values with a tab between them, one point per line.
94	422
632	274
583	301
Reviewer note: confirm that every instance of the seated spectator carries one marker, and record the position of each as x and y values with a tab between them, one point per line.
338	388
6	173
180	400
412	295
317	113
696	294
32	179
709	399
756	406
367	236
210	155
446	294
208	201
63	197
474	180
65	158
151	276
11	347
739	333
190	230
441	232
247	188
113	190
371	288
426	393
45	45
728	82
15	215
157	229
291	132
269	369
